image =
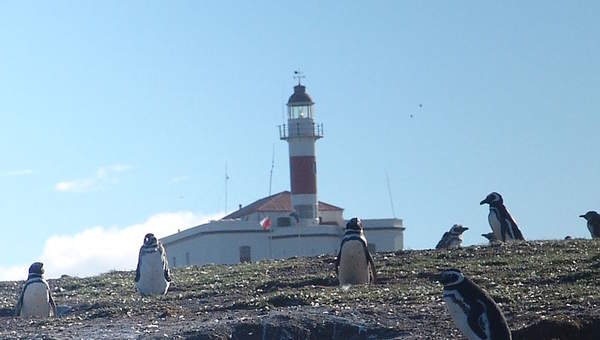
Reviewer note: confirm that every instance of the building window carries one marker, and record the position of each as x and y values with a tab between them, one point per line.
174	261
245	255
305	211
187	259
283	222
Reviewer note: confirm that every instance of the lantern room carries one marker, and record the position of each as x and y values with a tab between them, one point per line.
300	105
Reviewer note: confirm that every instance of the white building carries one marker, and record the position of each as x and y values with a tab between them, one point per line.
300	225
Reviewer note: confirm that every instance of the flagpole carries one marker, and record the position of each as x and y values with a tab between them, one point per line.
226	180
272	166
270	238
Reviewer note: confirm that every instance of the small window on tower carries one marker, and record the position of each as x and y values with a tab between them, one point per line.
174	261
187	259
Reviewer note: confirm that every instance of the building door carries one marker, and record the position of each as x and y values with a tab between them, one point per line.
245	255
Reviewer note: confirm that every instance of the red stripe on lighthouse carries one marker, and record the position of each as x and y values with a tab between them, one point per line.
303	174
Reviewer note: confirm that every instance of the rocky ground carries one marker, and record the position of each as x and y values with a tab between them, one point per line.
543	287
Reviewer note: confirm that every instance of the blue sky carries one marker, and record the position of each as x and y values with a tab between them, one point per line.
117	112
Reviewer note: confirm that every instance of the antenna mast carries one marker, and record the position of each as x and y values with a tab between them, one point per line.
387	178
226	180
272	166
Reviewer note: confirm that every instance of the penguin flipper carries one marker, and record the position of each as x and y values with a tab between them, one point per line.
20	302
475	316
137	270
163	255
337	262
517	232
443	241
596	229
167	275
372	273
337	259
52	304
372	270
510	227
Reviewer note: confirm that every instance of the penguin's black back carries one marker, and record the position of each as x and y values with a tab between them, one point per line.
472	293
594	222
505	214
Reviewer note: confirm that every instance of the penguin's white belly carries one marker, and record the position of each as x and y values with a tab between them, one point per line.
36	301
495	225
354	268
455	242
459	316
152	276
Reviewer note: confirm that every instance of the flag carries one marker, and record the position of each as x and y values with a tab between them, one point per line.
265	223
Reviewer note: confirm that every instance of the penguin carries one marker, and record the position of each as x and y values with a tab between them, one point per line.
503	225
452	238
354	264
593	223
491	237
36	299
152	276
474	312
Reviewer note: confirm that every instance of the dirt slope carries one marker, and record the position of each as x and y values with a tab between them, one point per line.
550	286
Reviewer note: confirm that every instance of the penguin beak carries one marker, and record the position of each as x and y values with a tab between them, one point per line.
583	216
483	202
464	228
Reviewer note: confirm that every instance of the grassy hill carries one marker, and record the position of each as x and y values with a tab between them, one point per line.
542	286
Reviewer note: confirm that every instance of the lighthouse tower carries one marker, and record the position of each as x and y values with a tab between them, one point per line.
301	133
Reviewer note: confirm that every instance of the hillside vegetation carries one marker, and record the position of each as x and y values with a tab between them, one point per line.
542	286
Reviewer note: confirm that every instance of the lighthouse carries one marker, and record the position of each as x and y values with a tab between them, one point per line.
301	133
301	225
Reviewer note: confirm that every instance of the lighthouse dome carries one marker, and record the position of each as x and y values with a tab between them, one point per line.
299	97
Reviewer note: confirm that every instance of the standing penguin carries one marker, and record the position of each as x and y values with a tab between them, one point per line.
36	299
354	264
152	276
593	223
472	309
452	238
503	225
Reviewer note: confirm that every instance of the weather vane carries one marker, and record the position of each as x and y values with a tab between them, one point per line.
299	75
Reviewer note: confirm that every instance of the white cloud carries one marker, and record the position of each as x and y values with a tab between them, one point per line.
105	174
16	173
13	273
98	249
77	185
178	179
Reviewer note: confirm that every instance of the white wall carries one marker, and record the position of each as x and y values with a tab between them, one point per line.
333	216
386	234
220	241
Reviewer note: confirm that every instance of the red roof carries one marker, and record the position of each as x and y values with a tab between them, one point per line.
280	202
